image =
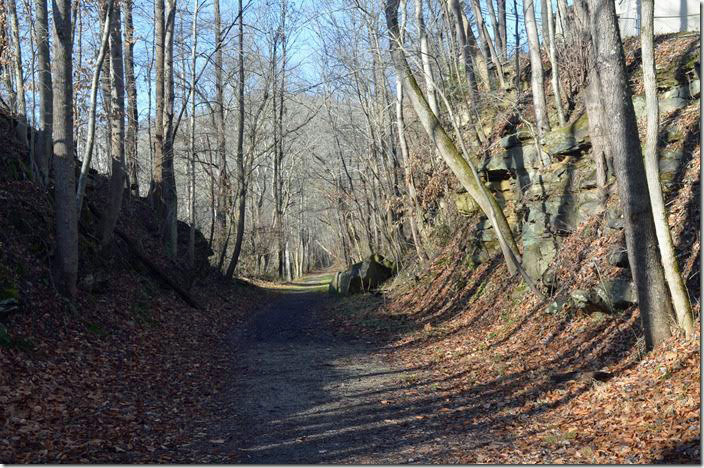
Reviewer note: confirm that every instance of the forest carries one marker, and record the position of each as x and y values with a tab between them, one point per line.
350	231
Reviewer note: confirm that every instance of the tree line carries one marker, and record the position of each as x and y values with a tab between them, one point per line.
296	136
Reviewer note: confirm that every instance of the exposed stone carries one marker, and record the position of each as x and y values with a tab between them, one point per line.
509	141
362	276
681	92
618	294
618	256
465	204
694	89
672	104
568	139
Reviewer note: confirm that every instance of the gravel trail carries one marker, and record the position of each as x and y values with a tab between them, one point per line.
305	394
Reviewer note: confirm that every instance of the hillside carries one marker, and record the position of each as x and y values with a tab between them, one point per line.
105	377
565	379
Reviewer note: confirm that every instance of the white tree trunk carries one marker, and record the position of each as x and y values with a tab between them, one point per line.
680	298
536	69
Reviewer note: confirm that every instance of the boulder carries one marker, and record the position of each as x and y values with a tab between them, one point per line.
363	276
618	294
618	256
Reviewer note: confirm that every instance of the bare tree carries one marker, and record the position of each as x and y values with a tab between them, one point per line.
192	146
595	111
66	219
622	134
88	154
502	27
117	128
132	112
680	298
21	102
554	67
461	167
43	147
242	193
168	175
425	58
221	207
536	69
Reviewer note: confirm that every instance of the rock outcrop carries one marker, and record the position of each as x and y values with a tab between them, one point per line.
547	191
363	276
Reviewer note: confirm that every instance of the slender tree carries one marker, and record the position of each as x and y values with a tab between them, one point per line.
242	193
555	70
88	154
462	168
622	135
680	298
221	207
132	111
117	128
43	148
536	69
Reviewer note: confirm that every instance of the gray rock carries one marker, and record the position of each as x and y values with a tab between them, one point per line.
694	88
556	306
587	301
362	276
614	218
465	204
676	92
618	294
618	256
509	141
672	104
568	139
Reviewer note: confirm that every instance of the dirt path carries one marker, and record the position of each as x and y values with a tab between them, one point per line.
306	395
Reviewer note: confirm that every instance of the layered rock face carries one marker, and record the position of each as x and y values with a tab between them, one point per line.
546	193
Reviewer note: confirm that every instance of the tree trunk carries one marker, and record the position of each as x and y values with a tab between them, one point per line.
554	68
222	206
117	128
242	200
428	76
544	22
622	134
90	142
192	155
66	220
462	168
680	298
132	113
516	54
19	76
567	22
487	43
157	185
536	69
465	56
499	45
502	28
592	101
43	148
168	176
403	144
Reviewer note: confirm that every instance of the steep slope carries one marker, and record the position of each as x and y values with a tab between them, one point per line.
127	372
564	380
